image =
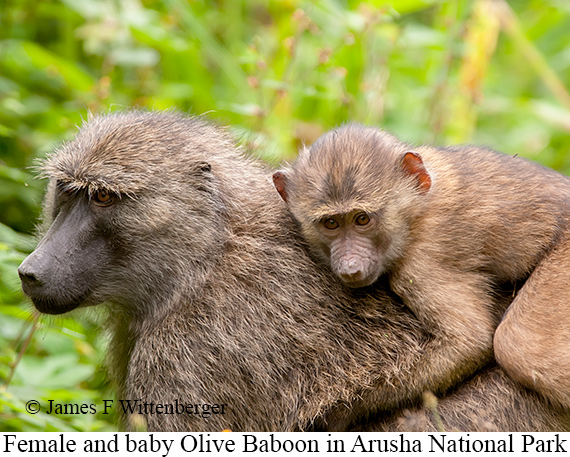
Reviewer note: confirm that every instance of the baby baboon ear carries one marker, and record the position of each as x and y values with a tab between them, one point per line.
280	183
413	165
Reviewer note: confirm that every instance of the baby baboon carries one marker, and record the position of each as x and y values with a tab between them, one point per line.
448	227
532	343
217	312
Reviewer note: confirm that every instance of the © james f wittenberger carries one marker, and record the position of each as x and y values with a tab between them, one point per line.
138	406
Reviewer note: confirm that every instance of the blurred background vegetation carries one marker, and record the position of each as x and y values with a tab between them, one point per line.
279	73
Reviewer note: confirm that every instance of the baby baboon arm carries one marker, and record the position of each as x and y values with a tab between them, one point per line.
455	307
455	310
532	343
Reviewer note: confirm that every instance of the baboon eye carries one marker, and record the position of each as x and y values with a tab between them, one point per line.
103	198
362	219
330	224
65	191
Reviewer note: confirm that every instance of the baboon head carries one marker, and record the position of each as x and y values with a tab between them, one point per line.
132	202
354	193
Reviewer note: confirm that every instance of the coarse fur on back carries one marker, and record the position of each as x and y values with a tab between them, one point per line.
212	297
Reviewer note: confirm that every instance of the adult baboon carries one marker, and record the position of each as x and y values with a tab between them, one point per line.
447	227
480	405
212	297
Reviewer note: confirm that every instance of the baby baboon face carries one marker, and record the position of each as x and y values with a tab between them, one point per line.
351	192
353	247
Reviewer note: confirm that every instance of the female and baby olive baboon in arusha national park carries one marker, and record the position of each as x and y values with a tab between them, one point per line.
214	300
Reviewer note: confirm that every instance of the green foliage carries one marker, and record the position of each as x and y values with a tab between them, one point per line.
280	73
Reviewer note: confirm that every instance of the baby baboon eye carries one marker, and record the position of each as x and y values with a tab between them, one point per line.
362	219
103	198
330	224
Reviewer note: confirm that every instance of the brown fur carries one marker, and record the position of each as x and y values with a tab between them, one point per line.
532	343
452	225
212	297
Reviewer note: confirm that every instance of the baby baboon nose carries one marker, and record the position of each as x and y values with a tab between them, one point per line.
350	277
350	270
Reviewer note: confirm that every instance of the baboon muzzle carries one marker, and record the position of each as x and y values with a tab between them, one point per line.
61	273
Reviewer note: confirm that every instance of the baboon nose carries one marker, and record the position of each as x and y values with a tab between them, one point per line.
351	277
351	271
29	278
